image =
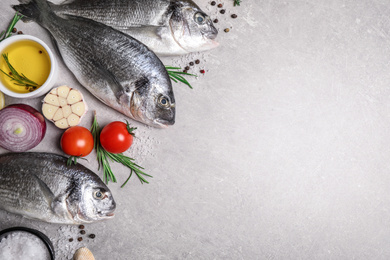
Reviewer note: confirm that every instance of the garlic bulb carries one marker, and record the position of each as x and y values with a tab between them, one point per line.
64	106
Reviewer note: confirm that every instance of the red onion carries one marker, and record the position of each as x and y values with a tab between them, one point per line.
21	127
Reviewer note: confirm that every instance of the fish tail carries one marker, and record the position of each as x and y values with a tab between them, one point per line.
33	10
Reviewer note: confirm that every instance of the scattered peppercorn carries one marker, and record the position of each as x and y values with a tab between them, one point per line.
40	52
234	16
213	3
80	239
81	227
14	30
92	236
220	5
20	32
185	71
70	239
222	11
197	61
187	68
215	21
227	30
82	232
202	71
191	63
10	73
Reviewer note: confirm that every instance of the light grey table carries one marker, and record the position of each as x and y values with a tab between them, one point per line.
281	150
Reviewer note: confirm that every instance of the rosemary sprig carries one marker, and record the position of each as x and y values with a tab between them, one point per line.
237	2
104	158
7	33
177	75
20	79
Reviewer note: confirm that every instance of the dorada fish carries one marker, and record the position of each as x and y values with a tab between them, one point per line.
167	27
41	186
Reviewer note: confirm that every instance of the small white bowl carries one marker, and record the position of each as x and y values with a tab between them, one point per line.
51	79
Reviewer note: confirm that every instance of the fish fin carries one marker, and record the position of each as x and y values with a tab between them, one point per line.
32	9
112	81
150	31
49	196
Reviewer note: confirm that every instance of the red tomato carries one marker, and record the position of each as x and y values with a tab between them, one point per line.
77	141
116	137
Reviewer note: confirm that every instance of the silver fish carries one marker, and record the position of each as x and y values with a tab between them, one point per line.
167	27
114	67
41	186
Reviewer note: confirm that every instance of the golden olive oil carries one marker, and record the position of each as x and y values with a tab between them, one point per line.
28	58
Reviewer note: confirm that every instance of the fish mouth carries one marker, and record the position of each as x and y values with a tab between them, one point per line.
162	123
104	215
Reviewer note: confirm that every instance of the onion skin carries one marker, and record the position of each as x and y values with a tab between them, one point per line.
22	127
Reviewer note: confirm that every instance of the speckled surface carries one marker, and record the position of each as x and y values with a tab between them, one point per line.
281	150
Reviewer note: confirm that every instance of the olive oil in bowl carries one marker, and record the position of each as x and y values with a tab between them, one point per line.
28	58
35	67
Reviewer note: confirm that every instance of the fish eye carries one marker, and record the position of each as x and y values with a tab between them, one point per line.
98	195
200	18
164	101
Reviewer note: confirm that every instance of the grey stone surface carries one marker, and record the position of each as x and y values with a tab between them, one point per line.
281	150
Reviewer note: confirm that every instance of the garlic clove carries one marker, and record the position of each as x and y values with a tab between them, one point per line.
51	99
49	110
74	96
62	123
63	91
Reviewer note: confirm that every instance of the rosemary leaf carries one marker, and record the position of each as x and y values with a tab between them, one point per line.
237	2
7	33
176	75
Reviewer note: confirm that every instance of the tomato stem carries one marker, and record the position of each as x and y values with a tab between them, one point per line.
130	129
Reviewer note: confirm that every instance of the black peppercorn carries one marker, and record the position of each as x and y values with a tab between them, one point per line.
234	16
14	30
187	68
81	227
215	21
213	3
191	63
222	11
92	236
82	232
80	239
20	32
70	239
197	61
220	5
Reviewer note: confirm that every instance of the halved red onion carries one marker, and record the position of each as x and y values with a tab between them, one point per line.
21	127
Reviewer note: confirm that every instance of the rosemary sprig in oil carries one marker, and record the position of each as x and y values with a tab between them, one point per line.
20	79
176	75
7	33
104	158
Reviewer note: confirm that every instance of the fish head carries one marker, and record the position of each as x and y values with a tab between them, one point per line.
91	202
153	102
192	28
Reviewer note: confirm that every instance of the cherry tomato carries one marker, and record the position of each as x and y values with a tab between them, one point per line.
77	141
116	137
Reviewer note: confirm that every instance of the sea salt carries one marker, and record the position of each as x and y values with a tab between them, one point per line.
23	245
